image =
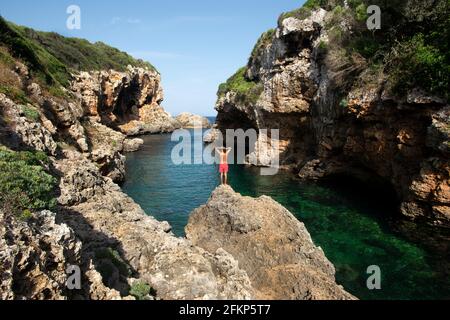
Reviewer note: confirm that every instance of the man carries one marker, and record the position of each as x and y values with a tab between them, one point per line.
223	168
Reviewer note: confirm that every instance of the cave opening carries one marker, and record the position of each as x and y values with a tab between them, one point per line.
366	191
236	120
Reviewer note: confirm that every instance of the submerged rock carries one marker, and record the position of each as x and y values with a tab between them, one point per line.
269	243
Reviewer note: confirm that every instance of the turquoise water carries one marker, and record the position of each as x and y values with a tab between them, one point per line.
354	229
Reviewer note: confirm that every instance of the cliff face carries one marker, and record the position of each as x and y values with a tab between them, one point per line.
339	114
128	101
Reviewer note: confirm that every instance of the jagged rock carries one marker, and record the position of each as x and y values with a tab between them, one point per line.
419	97
106	149
152	119
438	135
132	145
27	132
81	180
34	256
188	120
211	135
127	100
266	152
268	242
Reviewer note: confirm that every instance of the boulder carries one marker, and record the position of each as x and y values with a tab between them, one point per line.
269	243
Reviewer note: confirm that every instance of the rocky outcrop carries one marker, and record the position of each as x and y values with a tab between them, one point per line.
34	257
188	121
129	101
103	217
211	135
269	243
363	130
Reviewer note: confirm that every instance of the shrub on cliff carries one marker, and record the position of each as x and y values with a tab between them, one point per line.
416	63
265	39
247	91
24	182
140	290
412	43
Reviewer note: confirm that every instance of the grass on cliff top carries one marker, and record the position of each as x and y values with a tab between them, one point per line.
51	57
303	12
247	91
25	184
264	40
412	45
82	55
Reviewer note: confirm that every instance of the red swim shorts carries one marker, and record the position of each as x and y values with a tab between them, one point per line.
223	168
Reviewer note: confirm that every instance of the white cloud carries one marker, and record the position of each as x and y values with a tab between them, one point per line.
120	20
134	21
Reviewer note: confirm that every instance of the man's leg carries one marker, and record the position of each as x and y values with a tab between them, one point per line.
221	177
226	178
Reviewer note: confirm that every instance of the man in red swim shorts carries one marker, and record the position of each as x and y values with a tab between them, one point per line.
223	168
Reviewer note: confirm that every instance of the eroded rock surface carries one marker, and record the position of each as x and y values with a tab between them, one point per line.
130	101
269	243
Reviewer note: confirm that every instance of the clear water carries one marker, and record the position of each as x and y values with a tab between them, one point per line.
354	229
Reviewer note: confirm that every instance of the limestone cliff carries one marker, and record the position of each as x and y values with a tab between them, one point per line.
343	110
128	101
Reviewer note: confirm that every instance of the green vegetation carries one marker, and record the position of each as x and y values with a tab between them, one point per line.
305	11
80	54
25	215
265	39
31	113
112	256
343	103
361	12
412	45
25	183
16	94
247	91
300	13
43	65
140	290
414	62
51	57
411	48
5	57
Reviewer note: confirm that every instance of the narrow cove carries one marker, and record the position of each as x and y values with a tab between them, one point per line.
352	228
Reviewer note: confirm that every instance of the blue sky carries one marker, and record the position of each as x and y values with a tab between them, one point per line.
195	44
